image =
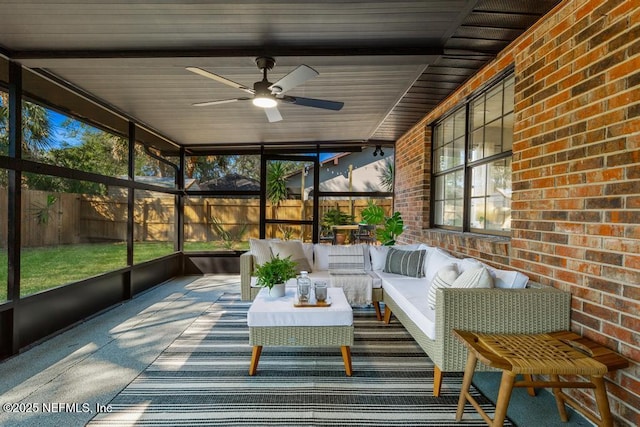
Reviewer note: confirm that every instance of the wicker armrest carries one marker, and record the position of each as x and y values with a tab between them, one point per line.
247	265
531	310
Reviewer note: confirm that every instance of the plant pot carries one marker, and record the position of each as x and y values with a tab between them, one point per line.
277	291
340	238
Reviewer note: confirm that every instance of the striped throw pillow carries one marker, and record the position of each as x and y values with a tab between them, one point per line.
444	278
474	278
407	263
343	257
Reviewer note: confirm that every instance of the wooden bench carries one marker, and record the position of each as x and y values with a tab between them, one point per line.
552	354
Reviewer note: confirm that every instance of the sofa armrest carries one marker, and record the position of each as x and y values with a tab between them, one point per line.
530	310
247	265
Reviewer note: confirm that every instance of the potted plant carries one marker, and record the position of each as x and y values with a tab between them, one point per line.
388	228
273	274
335	216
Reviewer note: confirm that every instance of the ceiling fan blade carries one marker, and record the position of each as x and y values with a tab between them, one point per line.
273	114
293	79
220	79
316	103
220	101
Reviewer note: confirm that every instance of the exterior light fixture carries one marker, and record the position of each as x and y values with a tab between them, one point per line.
378	150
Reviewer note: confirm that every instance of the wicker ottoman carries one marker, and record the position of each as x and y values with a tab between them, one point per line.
276	322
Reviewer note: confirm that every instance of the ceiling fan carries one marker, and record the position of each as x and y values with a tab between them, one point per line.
268	95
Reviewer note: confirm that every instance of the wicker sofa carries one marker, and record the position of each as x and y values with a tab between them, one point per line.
249	290
507	308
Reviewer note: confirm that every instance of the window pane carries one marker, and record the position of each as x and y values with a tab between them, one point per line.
508	94
220	223
458	152
72	230
223	173
477	112
151	167
60	140
478	181
478	213
507	132
493	138
460	123
476	144
153	225
493	105
491	202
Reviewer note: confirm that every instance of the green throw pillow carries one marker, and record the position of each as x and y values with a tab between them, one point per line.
407	263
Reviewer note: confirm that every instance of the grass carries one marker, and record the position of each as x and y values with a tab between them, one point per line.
49	267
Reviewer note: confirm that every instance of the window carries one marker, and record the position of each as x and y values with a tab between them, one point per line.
472	163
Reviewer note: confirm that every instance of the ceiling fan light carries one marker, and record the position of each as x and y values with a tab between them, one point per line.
264	102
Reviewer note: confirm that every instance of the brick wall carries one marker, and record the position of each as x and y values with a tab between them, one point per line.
576	176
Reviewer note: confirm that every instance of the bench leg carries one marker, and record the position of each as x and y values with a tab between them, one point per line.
557	393
376	305
504	396
530	390
387	314
466	384
255	357
346	357
603	402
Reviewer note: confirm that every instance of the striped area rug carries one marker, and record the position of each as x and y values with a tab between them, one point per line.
202	379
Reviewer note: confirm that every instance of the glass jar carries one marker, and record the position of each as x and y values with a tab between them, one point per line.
304	286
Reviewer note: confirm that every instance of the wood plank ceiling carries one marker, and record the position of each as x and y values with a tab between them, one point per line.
390	62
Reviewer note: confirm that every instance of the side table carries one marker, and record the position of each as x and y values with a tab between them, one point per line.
552	354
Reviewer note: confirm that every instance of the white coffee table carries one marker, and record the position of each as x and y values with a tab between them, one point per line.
276	322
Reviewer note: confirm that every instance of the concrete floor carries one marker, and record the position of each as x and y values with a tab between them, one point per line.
63	381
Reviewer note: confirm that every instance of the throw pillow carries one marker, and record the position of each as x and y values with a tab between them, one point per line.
321	257
445	277
343	257
407	263
437	259
378	256
474	278
261	250
294	250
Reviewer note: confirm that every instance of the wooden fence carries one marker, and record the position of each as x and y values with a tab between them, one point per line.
51	219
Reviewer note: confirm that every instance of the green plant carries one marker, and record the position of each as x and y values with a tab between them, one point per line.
42	212
393	227
276	271
388	228
335	216
386	176
372	214
228	238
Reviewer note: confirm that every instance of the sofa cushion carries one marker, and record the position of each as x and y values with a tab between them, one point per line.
409	294
378	256
474	278
293	249
321	257
343	257
407	263
505	279
445	277
261	250
437	259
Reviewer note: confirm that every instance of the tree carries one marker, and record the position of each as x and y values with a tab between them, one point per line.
276	185
36	130
386	175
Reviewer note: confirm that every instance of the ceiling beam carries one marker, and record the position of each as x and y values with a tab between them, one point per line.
231	52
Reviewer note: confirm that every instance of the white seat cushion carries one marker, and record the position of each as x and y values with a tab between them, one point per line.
411	296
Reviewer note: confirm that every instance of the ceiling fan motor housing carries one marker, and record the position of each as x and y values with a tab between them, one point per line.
265	62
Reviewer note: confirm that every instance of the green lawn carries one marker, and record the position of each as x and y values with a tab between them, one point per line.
48	267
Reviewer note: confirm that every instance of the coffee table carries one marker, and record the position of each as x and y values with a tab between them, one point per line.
276	322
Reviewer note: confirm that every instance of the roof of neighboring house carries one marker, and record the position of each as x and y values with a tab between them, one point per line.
232	181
